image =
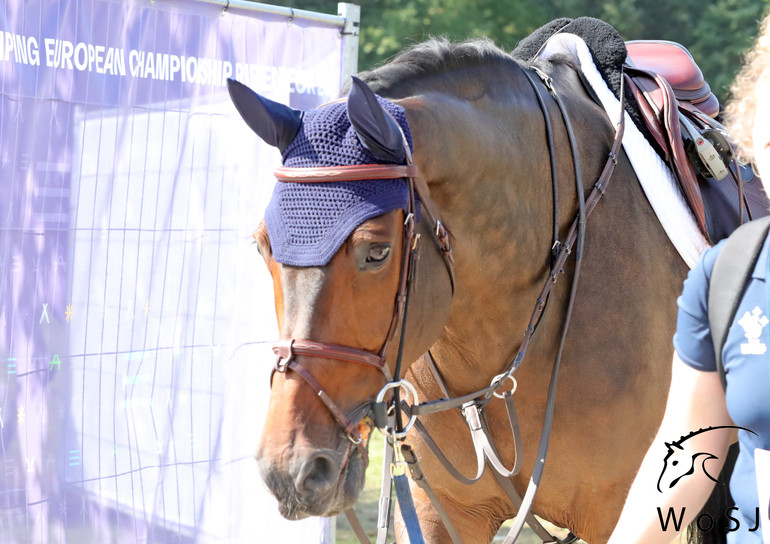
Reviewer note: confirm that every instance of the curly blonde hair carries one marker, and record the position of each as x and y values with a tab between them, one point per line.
741	110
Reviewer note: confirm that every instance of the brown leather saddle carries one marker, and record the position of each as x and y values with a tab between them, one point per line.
679	110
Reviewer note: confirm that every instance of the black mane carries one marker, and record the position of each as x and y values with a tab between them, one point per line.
435	56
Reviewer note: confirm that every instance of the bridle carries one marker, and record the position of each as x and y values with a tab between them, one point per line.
287	350
471	404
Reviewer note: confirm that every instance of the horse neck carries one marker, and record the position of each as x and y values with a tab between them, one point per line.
487	171
487	164
479	152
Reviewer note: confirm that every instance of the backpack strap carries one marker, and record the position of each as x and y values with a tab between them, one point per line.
732	269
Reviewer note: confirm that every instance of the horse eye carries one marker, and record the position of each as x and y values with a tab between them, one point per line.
378	253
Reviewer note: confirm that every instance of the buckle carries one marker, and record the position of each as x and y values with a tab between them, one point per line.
285	353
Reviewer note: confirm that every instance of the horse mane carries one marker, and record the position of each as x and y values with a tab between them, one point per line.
436	56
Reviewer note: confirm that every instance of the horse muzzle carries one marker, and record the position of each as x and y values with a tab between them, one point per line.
313	482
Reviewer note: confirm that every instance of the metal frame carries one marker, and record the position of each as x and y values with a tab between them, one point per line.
290	13
348	19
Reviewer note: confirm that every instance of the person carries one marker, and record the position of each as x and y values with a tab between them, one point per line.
702	418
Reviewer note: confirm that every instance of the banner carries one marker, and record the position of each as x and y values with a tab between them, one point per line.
134	310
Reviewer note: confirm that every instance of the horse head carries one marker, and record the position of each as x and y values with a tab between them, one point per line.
340	239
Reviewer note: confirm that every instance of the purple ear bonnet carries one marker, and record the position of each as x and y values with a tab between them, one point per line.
308	222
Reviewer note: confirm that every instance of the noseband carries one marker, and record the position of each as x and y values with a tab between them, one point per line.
287	350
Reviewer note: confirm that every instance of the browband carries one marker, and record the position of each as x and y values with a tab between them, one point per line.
346	173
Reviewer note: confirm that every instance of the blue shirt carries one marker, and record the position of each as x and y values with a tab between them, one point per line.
746	360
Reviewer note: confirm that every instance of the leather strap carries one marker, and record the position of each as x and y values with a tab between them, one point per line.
349	427
483	442
518	442
356	526
419	478
286	349
507	485
323	174
659	96
386	491
577	234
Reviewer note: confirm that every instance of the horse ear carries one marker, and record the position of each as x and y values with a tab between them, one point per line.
377	131
275	123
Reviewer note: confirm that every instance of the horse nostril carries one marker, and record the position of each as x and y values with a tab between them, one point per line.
317	473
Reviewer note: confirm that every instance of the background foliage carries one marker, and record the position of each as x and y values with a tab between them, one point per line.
716	32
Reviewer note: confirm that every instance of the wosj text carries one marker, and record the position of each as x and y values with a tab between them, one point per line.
706	522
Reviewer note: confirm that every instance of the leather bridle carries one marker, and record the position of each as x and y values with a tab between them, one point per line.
472	403
287	350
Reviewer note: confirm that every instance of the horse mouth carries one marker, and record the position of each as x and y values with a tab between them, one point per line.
328	500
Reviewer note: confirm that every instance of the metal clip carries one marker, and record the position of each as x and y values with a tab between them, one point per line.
410	391
471	414
601	188
398	466
285	354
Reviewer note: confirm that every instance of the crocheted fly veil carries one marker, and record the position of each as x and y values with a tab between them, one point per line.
308	222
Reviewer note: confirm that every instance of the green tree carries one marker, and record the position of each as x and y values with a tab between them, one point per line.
716	32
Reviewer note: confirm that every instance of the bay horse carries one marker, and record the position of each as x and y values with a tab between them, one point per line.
479	139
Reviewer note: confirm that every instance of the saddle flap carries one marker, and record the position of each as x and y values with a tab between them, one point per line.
659	108
676	65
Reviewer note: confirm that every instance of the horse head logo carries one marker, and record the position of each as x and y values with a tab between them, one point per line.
675	464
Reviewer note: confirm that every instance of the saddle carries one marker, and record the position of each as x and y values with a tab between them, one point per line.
679	109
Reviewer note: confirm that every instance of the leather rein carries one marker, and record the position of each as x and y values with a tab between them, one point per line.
471	404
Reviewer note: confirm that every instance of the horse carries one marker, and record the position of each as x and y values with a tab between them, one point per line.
484	169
